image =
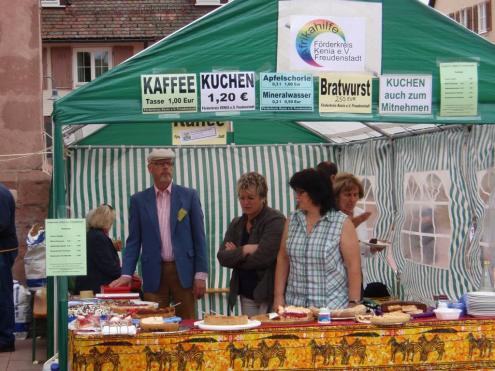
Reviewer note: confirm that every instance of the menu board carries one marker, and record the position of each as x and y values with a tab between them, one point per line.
65	247
286	92
458	89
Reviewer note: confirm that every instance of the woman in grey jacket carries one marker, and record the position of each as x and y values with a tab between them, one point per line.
251	246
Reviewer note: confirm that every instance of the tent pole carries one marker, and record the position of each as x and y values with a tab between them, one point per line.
60	212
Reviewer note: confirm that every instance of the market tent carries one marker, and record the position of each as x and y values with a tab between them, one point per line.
242	36
243	33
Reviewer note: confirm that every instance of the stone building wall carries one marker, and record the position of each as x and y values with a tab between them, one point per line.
21	116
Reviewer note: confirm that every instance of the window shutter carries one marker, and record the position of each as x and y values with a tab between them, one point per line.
475	19
470	18
62	67
121	53
44	62
489	15
458	16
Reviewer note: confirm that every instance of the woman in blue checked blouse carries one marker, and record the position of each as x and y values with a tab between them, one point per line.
318	263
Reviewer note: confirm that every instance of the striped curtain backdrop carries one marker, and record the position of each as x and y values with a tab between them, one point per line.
375	158
433	152
112	175
481	156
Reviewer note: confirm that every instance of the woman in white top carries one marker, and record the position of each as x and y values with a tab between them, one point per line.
348	191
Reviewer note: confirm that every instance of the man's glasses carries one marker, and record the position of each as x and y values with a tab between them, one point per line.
163	163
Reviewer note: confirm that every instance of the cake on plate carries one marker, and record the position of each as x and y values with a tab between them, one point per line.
294	312
157	324
221	320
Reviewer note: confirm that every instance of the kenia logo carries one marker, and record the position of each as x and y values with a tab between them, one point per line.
309	32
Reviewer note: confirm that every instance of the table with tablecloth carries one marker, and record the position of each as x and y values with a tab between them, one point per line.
420	344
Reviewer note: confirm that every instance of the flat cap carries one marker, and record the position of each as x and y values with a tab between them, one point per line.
161	154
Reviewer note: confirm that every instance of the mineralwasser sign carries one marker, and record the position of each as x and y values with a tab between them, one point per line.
405	94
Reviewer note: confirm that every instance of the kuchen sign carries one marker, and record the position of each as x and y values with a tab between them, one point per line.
228	91
405	94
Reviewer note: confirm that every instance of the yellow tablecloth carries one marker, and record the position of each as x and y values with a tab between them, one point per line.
429	344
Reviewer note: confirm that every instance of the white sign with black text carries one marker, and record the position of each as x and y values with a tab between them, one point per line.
168	93
228	91
405	94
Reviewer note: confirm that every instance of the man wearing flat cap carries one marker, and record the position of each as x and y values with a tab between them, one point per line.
166	226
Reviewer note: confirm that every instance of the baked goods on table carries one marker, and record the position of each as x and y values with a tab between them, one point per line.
348	312
392	318
157	324
97	309
221	320
118	325
292	312
410	307
158	312
87	322
364	318
126	306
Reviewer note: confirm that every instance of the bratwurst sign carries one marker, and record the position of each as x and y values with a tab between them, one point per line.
169	93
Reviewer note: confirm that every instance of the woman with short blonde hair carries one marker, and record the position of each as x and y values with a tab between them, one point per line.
103	263
250	247
348	191
254	180
101	218
346	181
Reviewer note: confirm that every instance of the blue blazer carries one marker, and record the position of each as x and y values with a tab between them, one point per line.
188	237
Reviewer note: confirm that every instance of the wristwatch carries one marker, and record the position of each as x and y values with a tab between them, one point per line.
354	301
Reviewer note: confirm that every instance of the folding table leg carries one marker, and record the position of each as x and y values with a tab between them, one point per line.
33	343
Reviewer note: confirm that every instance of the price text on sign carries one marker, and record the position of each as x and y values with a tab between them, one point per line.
228	91
349	93
458	89
169	93
65	247
286	92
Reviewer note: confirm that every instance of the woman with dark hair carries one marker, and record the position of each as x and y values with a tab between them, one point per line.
328	168
318	263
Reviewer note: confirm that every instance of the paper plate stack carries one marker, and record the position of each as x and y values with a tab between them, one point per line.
481	303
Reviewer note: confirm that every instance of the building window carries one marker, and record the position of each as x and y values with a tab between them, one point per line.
50	3
208	2
464	17
90	64
426	232
482	17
